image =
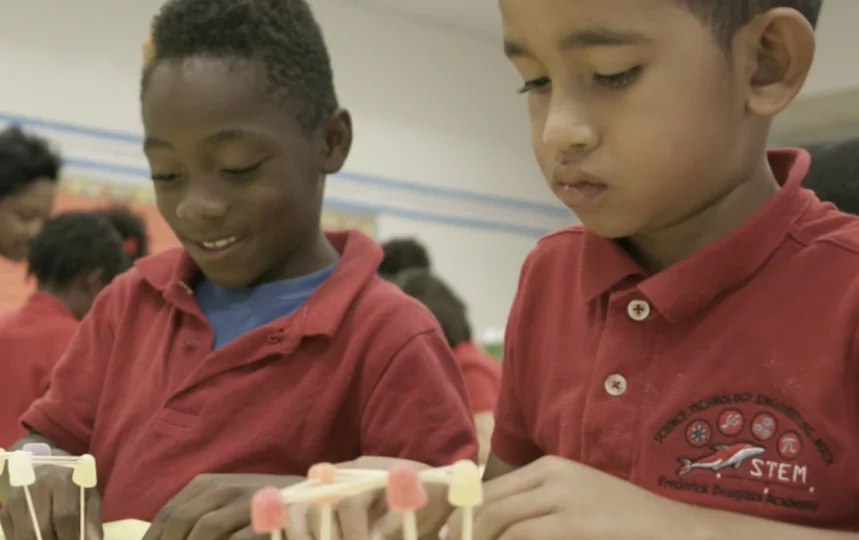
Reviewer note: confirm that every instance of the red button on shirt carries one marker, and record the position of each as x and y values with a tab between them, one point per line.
729	380
32	340
359	369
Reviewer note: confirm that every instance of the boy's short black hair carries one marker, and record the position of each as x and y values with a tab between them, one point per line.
444	304
834	174
131	228
282	35
23	160
403	254
76	242
728	16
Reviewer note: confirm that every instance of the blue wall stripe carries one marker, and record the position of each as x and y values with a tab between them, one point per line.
347	205
449	193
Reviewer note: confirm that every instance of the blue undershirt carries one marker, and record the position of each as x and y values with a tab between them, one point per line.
235	312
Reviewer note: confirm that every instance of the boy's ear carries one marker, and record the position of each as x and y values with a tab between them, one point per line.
336	141
780	44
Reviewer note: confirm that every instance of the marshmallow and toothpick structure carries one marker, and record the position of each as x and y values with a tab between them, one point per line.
327	484
22	473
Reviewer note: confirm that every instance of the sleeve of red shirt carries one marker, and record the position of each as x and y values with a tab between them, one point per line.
66	413
419	409
511	439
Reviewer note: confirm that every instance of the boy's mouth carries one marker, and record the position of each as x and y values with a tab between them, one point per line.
219	244
574	187
216	249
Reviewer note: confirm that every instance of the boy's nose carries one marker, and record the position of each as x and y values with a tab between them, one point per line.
568	129
201	207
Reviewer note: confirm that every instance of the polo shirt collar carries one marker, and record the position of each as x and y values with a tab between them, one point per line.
695	281
324	310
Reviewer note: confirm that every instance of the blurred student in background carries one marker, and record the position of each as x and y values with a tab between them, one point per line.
402	254
73	257
481	373
132	229
834	174
28	181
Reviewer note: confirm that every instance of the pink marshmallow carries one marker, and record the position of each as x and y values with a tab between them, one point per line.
268	513
405	490
37	449
324	473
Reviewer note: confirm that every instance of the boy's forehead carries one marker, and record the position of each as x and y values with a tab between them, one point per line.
585	22
206	94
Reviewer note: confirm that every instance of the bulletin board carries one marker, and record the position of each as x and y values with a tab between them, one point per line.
85	194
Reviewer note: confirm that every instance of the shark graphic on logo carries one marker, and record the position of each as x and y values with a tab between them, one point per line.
723	457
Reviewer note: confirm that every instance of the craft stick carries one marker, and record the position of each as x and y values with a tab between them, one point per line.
430	476
21	474
44	460
324	474
339	490
32	509
297	487
85	476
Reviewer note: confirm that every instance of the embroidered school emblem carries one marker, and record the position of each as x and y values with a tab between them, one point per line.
747	447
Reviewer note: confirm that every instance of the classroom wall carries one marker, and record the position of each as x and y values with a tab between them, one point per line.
441	149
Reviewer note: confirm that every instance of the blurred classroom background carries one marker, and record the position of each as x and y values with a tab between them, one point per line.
441	151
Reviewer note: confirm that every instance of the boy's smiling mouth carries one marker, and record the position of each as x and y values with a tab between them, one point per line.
216	248
222	243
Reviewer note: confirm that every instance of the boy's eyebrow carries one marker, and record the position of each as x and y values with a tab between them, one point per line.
601	37
597	37
217	137
227	135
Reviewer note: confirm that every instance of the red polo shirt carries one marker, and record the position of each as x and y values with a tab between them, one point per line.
32	339
359	369
482	375
729	380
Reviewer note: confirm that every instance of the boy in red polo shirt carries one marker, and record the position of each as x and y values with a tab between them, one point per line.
73	258
688	356
262	346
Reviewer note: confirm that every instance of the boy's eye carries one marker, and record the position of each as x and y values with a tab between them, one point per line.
618	80
166	177
243	170
539	83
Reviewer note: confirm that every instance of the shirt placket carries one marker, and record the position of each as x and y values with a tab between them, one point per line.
613	407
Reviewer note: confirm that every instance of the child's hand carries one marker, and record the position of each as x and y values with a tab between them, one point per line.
213	506
56	500
558	499
366	517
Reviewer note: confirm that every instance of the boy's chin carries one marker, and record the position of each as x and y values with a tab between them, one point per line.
609	227
228	278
